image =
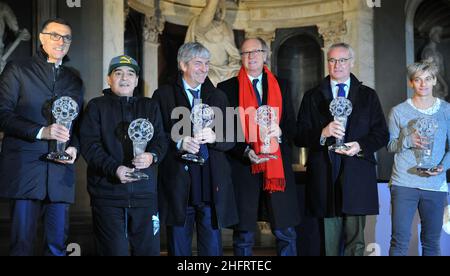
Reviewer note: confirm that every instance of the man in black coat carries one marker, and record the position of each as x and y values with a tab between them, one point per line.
191	193
256	86
342	185
28	89
124	208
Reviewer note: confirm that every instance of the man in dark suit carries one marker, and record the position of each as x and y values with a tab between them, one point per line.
342	185
191	193
265	189
36	186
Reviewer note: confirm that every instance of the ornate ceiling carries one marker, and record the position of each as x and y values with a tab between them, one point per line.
249	14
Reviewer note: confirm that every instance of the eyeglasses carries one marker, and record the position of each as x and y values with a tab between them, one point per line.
254	52
57	37
341	61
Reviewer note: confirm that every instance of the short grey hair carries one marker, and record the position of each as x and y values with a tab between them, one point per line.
342	45
419	68
191	50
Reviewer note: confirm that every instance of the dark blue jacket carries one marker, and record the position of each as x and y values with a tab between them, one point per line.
105	145
28	89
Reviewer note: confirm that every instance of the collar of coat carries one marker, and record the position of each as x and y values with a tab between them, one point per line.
108	93
207	88
355	84
42	55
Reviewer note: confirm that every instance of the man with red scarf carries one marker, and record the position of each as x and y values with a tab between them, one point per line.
265	188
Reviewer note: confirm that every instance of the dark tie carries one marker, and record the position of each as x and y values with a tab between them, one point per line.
203	148
341	91
255	88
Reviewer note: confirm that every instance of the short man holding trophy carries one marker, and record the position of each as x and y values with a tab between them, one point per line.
342	182
195	183
36	185
261	160
419	136
122	138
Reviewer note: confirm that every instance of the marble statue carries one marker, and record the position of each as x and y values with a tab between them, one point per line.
431	53
210	29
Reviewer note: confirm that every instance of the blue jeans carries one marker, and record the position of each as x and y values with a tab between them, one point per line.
405	202
243	242
209	240
25	215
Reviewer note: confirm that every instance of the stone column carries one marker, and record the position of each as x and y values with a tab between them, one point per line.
331	32
113	32
153	27
361	36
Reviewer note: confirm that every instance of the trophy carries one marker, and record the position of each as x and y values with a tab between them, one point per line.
265	118
340	108
426	128
202	116
140	132
65	110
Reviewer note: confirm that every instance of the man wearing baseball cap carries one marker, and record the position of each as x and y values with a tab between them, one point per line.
124	209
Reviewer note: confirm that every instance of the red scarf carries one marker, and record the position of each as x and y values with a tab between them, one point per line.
274	180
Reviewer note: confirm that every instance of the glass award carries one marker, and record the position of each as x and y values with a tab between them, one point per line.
202	116
140	132
265	118
426	128
64	110
340	108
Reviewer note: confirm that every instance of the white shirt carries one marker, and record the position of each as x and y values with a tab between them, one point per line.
188	93
259	85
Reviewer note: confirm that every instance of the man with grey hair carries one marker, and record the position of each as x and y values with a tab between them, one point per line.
342	185
190	193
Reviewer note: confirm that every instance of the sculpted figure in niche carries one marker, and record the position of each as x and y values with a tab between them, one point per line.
210	29
431	53
8	19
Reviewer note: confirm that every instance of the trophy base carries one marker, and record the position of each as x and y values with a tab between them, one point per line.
137	175
59	156
193	158
338	147
267	156
430	168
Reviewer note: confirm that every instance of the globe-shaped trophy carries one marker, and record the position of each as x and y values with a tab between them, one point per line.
265	118
140	132
64	110
202	116
340	108
426	128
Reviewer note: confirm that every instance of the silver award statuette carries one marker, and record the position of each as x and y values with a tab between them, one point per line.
202	116
140	132
340	108
64	110
426	128
265	118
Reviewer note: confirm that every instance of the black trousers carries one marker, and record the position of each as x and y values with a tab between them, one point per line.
126	231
